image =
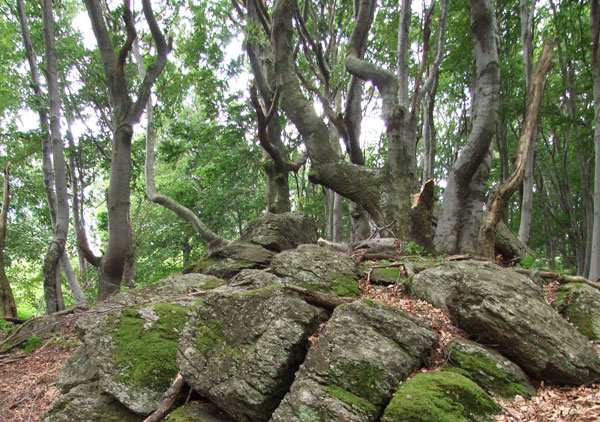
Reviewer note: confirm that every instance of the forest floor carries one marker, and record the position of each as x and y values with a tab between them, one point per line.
28	380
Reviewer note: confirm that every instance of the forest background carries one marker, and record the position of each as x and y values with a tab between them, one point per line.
217	111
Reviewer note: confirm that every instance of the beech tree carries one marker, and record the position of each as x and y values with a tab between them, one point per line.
7	300
125	114
595	30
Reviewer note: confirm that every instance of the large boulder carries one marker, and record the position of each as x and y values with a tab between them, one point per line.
489	369
350	373
500	306
440	396
87	403
317	268
241	348
132	338
230	259
580	304
279	232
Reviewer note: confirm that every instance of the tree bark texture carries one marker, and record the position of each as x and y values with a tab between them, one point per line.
527	15
485	113
126	114
499	198
595	30
56	248
8	307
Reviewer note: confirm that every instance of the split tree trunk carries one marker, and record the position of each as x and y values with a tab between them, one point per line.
8	307
126	114
500	197
485	113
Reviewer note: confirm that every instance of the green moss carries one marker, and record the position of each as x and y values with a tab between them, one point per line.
203	263
211	341
181	414
147	356
390	274
407	282
439	397
344	285
351	399
486	373
362	379
255	292
310	414
213	283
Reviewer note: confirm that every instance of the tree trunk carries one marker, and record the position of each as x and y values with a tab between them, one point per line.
7	300
126	114
595	30
61	227
500	197
485	112
153	195
527	14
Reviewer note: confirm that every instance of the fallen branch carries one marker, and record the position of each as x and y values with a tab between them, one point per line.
321	300
15	320
167	401
10	359
561	278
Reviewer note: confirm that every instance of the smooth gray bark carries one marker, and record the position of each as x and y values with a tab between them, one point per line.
449	234
7	300
595	30
126	113
527	15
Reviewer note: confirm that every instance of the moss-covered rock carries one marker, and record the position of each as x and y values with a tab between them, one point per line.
388	275
87	403
241	348
580	304
318	269
132	338
440	396
489	369
350	373
504	308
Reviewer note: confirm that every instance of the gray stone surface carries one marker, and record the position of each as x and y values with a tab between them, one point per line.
489	369
240	349
278	232
132	338
499	306
319	269
580	304
350	373
229	260
198	412
76	370
86	403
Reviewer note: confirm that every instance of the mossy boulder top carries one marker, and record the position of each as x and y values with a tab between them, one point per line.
489	369
319	269
580	304
132	338
358	360
440	396
500	306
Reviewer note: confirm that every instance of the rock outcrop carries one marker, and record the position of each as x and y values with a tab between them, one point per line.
580	304
241	349
350	373
500	306
319	269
